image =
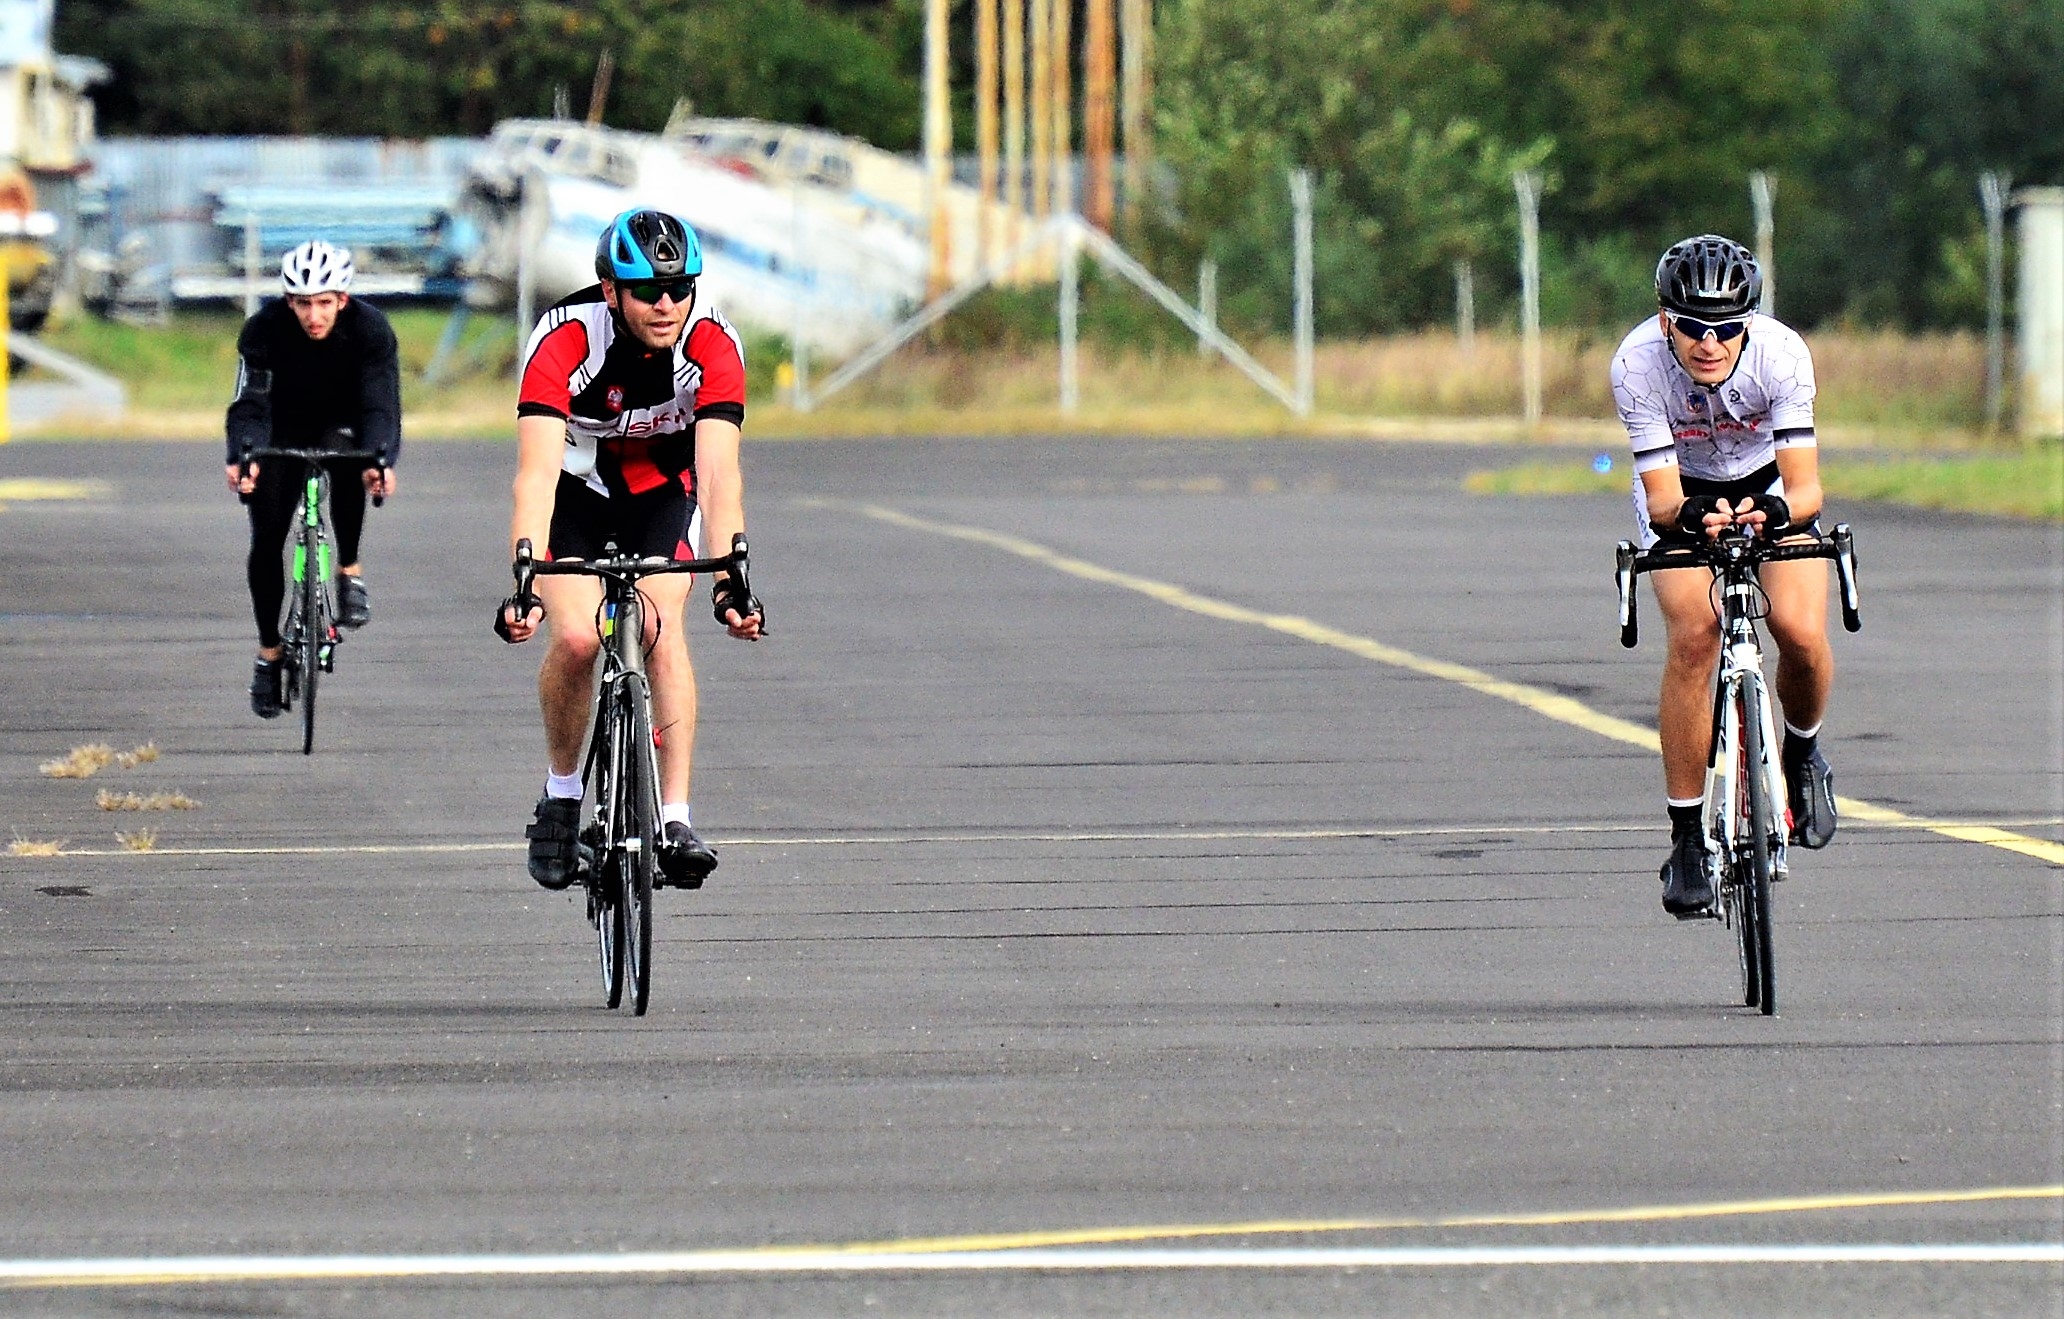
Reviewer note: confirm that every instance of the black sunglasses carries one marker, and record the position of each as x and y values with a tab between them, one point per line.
650	291
1720	330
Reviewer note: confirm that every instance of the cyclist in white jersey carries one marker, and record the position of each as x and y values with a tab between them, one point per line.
1718	404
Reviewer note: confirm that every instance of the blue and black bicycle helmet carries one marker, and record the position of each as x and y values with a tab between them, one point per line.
647	245
1709	277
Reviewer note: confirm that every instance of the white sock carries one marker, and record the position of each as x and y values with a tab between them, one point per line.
1690	801
673	812
563	785
1803	734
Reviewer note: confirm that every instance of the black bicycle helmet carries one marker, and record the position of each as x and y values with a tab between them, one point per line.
647	245
1709	277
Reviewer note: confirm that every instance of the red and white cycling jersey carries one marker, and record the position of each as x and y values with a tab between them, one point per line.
1725	432
630	411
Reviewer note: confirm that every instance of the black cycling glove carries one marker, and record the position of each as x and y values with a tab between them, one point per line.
521	605
1777	514
726	595
1691	516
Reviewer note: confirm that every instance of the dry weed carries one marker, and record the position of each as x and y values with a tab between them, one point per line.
82	762
132	801
139	840
142	755
32	847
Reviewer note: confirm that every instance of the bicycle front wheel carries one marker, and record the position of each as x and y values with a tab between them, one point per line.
1757	947
314	627
639	825
605	893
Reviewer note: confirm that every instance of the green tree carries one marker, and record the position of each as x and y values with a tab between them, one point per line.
457	66
1406	183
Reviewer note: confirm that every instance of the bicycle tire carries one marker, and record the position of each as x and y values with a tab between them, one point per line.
640	822
313	627
606	898
1734	907
1756	880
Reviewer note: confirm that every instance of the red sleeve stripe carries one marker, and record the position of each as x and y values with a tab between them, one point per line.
557	355
713	345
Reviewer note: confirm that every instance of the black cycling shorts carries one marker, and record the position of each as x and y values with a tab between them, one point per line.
1763	481
660	522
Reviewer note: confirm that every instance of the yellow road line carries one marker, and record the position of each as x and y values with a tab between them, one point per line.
1564	1218
25	489
1553	705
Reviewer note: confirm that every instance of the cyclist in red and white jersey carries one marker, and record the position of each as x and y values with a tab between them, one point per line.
627	430
1718	404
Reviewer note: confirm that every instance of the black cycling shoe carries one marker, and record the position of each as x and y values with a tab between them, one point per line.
555	842
1688	877
1810	792
684	860
266	698
353	609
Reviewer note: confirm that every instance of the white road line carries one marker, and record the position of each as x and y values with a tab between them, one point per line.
170	1270
1553	705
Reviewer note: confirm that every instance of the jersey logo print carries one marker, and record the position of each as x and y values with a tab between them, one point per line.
615	398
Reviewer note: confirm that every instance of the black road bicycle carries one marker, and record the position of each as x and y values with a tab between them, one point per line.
619	843
1746	822
309	637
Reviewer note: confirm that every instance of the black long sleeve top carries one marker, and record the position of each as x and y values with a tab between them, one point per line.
292	390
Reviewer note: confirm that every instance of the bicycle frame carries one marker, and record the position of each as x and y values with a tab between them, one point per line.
1740	694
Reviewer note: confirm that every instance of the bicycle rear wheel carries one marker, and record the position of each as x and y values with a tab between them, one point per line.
1757	944
639	823
313	627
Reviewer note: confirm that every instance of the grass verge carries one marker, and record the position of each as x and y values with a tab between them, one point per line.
2027	484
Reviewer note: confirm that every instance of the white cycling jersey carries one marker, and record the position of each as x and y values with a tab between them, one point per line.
1725	432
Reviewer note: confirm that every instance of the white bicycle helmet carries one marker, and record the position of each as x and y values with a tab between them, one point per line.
316	267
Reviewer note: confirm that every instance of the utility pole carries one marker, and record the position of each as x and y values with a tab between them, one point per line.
938	148
1041	21
1099	118
1135	65
1013	119
986	86
1064	106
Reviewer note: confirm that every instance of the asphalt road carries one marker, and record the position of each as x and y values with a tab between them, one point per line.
1093	879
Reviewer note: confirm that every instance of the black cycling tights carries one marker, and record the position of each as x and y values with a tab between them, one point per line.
275	507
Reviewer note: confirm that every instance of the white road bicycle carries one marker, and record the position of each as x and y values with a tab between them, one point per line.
1747	824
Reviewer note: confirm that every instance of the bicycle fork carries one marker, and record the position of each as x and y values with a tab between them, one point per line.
311	522
1726	823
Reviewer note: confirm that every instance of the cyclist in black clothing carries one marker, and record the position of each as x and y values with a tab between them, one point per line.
309	366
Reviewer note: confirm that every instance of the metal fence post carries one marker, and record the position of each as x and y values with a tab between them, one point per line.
1071	258
252	253
1763	200
1992	194
1526	184
1465	305
1207	302
1301	293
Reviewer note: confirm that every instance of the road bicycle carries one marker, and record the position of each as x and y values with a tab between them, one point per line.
309	637
1747	826
618	851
